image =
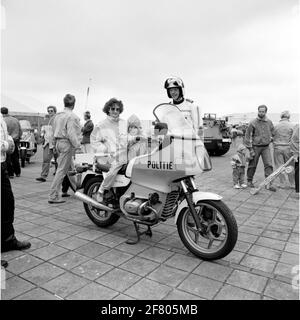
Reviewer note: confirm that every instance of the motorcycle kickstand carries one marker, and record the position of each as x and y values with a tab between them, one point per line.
148	232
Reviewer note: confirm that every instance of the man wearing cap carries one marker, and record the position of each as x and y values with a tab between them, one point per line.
66	131
282	152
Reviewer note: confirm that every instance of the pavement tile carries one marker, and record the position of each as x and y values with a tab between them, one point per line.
139	266
48	252
183	262
110	240
234	257
200	286
250	230
72	230
42	273
10	255
277	235
284	269
122	297
242	246
72	243
114	257
54	236
69	260
281	291
21	227
23	263
247	237
147	289
90	235
176	294
265	252
93	291
37	231
92	249
271	243
258	263
14	287
233	293
132	249
248	281
289	258
118	279
65	284
92	269
156	254
168	276
292	248
37	294
213	270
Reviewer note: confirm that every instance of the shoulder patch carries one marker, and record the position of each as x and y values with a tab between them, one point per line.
189	100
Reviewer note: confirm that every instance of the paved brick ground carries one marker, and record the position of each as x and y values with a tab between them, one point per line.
71	258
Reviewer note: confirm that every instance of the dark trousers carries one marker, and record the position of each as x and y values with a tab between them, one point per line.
265	154
7	207
13	161
65	184
297	176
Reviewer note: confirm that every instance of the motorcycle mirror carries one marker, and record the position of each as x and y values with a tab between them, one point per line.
160	128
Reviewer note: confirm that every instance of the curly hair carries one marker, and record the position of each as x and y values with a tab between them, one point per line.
52	107
110	103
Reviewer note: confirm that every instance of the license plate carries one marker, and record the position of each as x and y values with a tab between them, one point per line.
226	140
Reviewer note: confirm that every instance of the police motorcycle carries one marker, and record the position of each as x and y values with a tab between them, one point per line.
160	185
27	145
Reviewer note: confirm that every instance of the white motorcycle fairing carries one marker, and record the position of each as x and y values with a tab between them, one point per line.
197	196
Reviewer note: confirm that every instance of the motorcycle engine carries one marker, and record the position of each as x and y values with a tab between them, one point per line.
132	206
140	209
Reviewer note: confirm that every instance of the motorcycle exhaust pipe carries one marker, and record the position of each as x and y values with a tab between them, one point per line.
88	200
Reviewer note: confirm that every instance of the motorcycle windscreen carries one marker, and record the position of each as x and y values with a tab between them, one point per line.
180	128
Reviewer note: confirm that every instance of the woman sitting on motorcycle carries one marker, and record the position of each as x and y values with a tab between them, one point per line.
110	133
137	144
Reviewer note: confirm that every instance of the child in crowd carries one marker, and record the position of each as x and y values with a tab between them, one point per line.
238	163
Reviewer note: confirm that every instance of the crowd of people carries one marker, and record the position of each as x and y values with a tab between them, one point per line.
63	136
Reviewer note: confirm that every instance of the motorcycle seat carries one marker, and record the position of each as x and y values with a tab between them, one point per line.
106	167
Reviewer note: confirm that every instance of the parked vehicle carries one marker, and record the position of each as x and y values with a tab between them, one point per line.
160	185
28	145
217	138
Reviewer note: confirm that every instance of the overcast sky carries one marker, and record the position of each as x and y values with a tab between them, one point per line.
232	55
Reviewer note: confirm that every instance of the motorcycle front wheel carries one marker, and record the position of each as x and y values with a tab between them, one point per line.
218	233
101	218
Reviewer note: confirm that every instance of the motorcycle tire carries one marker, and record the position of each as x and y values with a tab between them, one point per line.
100	218
192	246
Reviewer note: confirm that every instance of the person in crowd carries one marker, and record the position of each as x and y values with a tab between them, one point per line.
48	146
66	131
15	131
109	134
86	133
282	152
137	144
238	164
191	112
8	238
294	144
257	139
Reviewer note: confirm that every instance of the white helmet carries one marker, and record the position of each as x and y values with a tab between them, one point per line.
174	82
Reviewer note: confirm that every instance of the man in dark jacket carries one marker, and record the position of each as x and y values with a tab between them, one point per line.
257	139
86	133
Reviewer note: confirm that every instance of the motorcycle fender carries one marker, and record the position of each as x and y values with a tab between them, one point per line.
197	196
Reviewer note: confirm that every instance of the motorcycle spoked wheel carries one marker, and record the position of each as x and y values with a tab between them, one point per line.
101	218
221	230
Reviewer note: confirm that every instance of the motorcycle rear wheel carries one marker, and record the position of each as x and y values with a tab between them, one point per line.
101	218
222	229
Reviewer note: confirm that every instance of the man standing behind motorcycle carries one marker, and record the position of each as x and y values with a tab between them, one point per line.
48	147
191	112
67	132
